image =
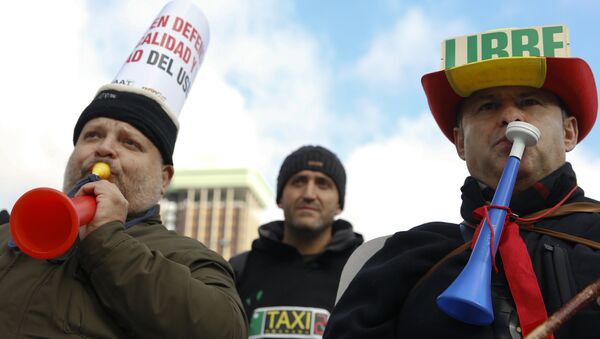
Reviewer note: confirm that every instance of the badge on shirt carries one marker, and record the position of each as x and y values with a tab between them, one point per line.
288	322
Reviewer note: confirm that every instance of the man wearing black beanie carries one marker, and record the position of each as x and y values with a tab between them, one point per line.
126	275
288	280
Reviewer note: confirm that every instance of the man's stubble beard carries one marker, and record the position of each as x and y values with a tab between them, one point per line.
302	231
141	192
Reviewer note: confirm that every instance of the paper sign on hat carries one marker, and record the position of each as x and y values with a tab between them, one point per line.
166	59
549	41
537	57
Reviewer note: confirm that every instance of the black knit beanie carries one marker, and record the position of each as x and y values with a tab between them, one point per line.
137	109
314	158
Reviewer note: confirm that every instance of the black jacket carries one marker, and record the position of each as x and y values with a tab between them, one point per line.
276	274
381	302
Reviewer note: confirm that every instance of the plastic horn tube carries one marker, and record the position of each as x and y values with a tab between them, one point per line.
468	298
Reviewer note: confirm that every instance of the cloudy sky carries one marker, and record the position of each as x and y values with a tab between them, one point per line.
277	75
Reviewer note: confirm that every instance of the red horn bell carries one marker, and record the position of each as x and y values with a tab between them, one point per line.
44	222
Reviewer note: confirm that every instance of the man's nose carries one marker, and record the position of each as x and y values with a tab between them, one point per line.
511	113
106	148
310	191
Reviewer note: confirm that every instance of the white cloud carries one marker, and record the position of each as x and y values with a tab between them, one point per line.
262	92
45	85
400	56
587	167
409	179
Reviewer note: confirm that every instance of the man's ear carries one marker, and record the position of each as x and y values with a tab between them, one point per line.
571	130
459	142
167	174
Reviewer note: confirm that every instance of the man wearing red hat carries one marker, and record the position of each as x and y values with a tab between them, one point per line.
549	248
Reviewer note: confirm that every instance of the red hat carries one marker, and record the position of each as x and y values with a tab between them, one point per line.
571	79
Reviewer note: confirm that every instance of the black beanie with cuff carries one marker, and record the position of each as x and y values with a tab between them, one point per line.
139	110
313	158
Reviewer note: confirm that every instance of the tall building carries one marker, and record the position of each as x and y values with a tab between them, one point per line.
219	207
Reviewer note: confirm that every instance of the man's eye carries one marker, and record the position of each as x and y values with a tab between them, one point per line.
487	106
91	135
529	102
132	144
324	184
298	181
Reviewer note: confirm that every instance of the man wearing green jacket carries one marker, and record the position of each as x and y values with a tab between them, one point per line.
128	276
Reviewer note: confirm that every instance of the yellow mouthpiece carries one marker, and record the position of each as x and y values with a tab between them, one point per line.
102	170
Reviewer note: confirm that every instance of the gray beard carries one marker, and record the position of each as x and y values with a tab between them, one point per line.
141	193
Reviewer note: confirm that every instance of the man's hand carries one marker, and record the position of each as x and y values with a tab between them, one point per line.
111	205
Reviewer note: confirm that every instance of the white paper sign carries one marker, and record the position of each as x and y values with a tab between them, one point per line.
167	57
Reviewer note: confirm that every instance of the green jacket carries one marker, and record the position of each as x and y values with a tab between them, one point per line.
143	282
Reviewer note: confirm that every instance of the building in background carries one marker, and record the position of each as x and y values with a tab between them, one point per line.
219	207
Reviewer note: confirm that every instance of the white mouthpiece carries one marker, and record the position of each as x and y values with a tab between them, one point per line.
521	134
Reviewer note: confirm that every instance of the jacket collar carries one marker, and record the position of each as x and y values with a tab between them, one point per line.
149	216
543	194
